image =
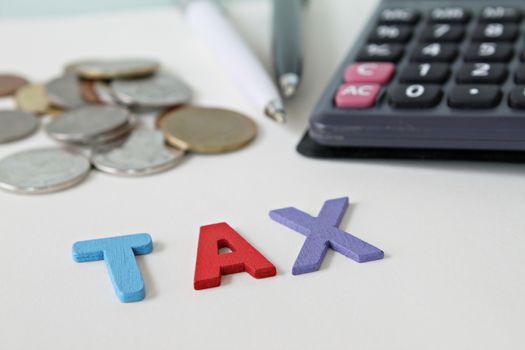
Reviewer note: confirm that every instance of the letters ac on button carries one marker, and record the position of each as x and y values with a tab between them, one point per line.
369	72
357	95
363	83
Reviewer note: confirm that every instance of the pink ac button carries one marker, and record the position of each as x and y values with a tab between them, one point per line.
357	95
369	72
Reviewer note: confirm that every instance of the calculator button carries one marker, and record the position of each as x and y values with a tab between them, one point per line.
519	78
430	73
414	96
522	56
449	15
488	52
357	95
381	52
399	16
443	32
434	52
390	34
501	14
369	72
495	32
474	96
483	73
517	97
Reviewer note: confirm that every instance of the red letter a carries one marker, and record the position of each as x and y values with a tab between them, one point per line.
243	257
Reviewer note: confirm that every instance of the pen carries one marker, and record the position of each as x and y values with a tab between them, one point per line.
209	21
287	45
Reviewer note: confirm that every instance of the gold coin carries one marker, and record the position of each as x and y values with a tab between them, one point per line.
32	98
207	130
72	68
113	69
162	115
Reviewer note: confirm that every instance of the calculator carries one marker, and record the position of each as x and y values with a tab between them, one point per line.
430	75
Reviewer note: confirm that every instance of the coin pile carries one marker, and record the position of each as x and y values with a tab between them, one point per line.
94	109
91	125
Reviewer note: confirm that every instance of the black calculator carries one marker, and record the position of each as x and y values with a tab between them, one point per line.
430	75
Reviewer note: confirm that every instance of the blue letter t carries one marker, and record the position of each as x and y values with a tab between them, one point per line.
119	255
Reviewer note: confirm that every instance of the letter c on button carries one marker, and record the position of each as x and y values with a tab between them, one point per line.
366	69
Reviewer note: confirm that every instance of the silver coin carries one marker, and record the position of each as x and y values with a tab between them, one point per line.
15	125
87	123
104	93
114	136
157	91
114	68
144	153
64	92
42	170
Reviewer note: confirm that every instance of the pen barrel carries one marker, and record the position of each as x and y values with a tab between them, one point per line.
287	37
208	21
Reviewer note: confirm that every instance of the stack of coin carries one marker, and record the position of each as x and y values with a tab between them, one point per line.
95	107
91	125
143	153
135	83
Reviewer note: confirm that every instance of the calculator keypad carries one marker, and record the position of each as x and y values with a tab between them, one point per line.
500	14
495	32
390	34
489	52
434	52
414	96
372	72
430	73
450	15
399	16
474	96
443	32
357	95
482	73
381	53
447	55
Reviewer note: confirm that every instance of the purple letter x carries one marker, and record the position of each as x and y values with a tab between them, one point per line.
322	233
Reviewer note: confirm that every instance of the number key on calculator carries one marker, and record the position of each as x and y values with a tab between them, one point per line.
431	75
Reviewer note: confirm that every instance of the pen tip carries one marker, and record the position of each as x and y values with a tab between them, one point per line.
288	84
288	90
275	111
279	116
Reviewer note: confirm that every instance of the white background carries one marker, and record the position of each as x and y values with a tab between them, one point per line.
453	233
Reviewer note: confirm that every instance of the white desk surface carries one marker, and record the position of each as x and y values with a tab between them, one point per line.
453	233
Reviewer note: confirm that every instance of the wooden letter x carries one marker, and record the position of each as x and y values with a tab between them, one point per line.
322	233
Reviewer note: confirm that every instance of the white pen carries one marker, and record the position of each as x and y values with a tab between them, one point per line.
208	20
